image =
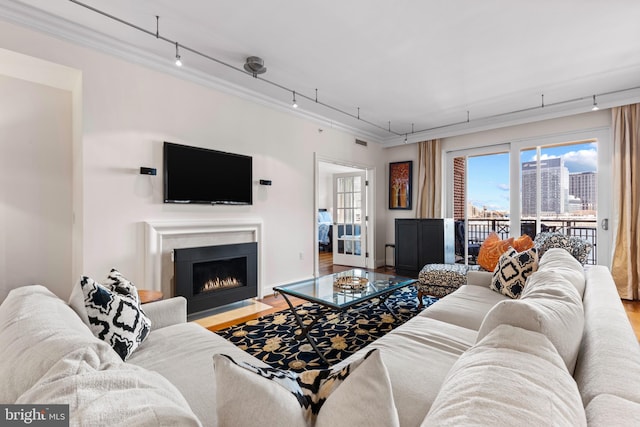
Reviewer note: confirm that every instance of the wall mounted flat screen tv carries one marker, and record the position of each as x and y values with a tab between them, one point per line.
200	175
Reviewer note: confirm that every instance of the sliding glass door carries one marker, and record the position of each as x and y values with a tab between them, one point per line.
481	200
529	186
559	190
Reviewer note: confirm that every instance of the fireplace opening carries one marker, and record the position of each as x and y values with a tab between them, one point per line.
218	275
212	276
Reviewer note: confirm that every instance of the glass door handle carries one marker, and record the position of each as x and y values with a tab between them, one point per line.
605	224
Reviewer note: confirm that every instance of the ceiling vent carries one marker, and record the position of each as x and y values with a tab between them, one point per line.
255	65
361	142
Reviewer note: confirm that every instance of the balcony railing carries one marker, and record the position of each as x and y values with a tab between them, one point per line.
586	229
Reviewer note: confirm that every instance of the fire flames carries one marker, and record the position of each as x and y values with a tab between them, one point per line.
217	283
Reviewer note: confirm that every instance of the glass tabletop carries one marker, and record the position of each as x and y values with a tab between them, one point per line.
356	286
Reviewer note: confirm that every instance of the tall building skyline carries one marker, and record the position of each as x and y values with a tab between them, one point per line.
554	187
583	185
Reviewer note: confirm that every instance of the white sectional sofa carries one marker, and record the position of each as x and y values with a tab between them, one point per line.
562	354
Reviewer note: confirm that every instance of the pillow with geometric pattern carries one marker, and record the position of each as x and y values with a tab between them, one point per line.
112	311
512	271
576	246
358	394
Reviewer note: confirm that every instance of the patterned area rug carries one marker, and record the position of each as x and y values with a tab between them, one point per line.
271	338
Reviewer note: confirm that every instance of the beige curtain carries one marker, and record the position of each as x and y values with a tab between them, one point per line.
429	179
625	266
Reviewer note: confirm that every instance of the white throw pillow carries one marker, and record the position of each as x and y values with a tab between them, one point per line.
112	311
109	394
512	271
357	394
512	377
549	304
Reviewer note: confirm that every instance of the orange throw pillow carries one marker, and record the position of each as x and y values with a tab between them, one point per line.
522	243
491	249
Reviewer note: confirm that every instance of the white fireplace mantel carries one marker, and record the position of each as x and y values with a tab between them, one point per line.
157	231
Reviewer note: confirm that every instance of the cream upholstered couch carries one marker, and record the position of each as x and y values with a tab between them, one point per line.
563	354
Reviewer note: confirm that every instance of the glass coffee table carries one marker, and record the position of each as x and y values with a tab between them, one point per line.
340	292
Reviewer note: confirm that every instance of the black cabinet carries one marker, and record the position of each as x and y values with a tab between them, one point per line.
423	241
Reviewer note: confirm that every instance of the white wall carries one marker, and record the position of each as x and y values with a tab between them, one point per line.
129	110
35	186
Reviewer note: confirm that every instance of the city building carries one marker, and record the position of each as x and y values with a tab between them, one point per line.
554	187
583	185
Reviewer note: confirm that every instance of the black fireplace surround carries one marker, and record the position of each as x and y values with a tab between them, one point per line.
212	276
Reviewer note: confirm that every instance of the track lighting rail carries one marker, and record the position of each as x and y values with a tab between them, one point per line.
157	35
357	116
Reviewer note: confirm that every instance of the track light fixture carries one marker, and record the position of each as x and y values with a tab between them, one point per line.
178	61
595	104
295	104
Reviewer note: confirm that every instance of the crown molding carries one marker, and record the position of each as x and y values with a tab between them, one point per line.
584	105
35	19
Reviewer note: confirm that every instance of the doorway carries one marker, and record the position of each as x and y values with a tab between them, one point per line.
343	200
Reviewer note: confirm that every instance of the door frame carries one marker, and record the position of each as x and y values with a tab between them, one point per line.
370	207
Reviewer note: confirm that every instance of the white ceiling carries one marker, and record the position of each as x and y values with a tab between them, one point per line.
409	62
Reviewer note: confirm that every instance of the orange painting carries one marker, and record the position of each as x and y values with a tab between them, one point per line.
400	185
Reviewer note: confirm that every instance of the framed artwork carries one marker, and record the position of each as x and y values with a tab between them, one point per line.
400	185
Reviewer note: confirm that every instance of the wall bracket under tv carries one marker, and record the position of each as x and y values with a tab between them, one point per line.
206	176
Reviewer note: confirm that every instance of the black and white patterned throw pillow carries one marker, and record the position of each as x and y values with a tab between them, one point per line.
576	246
512	271
355	394
310	388
114	314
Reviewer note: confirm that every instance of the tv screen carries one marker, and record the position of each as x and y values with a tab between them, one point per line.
200	175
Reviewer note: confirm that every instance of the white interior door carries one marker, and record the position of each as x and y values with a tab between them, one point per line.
349	227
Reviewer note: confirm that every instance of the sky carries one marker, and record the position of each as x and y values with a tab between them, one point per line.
488	176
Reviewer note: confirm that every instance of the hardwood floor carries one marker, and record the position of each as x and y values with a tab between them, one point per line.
326	266
633	312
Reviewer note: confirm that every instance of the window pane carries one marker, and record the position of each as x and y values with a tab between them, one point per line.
348	200
488	184
488	198
348	184
348	216
486	179
565	198
528	182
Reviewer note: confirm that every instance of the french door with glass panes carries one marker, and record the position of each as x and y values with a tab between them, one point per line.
349	228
